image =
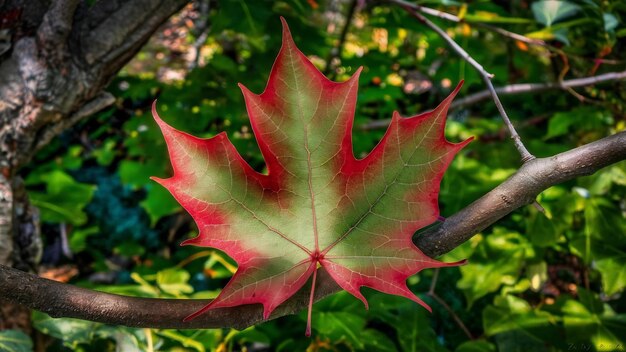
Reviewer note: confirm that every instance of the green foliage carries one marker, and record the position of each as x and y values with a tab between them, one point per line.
74	333
63	199
497	260
536	281
15	341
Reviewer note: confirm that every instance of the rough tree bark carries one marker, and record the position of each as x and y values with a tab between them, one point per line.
56	57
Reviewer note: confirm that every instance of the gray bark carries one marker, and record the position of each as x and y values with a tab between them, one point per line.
56	57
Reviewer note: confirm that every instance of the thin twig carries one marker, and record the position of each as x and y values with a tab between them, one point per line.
337	50
519	145
522	88
514	89
452	18
202	32
433	282
503	32
456	318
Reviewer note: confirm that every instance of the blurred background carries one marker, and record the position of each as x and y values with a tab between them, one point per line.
534	282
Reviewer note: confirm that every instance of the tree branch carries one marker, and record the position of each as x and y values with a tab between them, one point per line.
539	87
202	26
62	300
521	189
56	26
75	52
452	18
336	51
513	89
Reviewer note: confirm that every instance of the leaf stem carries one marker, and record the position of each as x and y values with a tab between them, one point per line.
457	319
311	300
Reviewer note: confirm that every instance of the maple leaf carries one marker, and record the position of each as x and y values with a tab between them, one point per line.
318	207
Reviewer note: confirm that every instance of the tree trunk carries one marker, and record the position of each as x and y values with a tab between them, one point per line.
56	57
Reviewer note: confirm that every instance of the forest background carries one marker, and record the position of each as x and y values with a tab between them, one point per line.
548	277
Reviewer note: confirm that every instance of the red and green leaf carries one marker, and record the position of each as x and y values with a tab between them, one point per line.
318	207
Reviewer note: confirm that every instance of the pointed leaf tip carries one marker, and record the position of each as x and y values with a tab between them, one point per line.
155	114
287	38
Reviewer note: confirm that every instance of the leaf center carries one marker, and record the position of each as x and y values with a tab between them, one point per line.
317	256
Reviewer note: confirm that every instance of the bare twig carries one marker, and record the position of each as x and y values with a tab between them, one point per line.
503	32
337	50
452	18
433	294
514	89
538	88
519	145
62	300
456	318
202	32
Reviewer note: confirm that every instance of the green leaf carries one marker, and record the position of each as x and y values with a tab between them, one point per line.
613	270
74	332
106	153
15	341
136	173
582	119
537	273
78	238
415	332
514	315
159	203
590	320
64	198
548	12
541	230
174	281
340	327
610	21
184	340
251	335
476	346
497	260
374	340
413	326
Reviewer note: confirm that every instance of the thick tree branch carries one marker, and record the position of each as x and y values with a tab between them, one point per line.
56	26
521	189
75	51
61	300
513	89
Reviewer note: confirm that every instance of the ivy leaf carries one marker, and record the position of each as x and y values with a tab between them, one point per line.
15	341
318	207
